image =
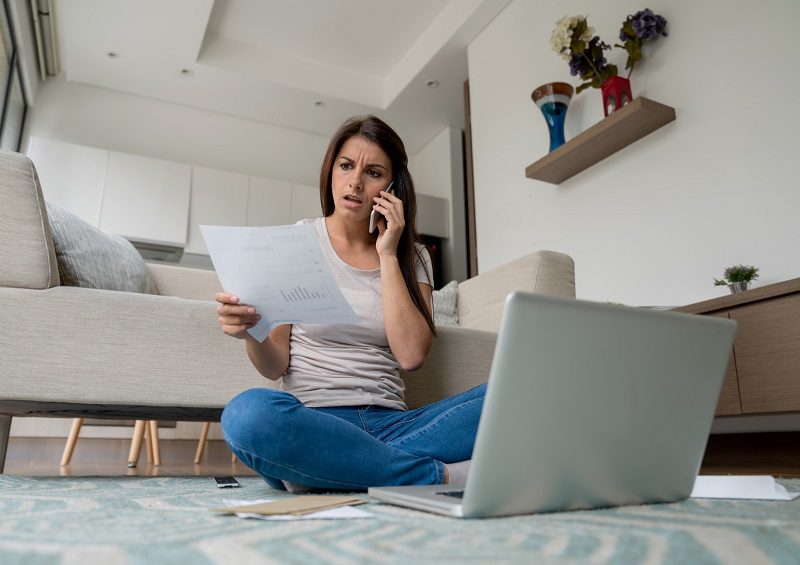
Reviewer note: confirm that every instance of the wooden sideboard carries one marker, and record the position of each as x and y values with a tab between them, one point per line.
763	374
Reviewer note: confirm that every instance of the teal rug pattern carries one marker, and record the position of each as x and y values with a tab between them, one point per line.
166	520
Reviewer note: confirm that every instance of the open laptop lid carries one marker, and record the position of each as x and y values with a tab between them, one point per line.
592	405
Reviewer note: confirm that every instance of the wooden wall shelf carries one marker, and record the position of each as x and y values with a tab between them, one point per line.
625	126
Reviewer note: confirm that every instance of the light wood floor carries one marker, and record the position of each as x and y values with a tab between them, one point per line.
774	453
109	457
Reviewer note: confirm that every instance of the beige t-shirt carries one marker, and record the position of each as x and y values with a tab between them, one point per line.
348	365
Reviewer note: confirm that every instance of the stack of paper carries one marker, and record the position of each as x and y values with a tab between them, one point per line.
300	508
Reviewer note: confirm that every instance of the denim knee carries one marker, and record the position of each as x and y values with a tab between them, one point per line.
254	415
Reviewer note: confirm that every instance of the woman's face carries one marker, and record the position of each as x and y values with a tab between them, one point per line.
361	170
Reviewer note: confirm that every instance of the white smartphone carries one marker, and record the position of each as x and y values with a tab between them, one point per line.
374	216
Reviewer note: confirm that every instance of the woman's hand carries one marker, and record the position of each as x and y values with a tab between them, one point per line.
234	318
391	229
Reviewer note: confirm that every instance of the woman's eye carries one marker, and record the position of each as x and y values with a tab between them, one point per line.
345	166
374	174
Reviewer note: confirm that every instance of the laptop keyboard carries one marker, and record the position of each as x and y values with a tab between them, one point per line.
453	493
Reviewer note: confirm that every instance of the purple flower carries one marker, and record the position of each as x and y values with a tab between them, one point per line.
578	65
574	40
590	60
647	25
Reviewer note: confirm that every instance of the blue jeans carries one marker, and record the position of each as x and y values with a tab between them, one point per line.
350	447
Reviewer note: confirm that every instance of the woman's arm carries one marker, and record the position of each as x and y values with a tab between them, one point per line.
270	357
409	335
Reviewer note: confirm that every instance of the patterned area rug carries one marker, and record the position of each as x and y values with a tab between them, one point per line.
165	520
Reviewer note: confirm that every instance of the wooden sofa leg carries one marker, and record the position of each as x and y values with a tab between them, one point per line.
5	429
201	444
69	448
152	436
136	443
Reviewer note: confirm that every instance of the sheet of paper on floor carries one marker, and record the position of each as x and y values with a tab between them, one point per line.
742	487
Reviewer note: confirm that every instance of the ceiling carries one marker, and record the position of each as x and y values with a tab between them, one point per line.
302	64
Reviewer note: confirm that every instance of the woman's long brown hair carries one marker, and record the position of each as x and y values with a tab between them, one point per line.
376	131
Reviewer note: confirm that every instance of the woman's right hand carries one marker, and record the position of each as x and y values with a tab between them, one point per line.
234	318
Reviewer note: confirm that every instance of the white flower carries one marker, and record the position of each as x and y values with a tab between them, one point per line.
562	34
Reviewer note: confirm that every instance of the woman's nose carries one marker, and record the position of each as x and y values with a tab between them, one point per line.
355	180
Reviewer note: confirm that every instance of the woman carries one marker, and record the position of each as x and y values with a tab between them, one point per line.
339	421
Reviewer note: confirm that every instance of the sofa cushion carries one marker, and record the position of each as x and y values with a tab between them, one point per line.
445	305
27	259
91	258
481	299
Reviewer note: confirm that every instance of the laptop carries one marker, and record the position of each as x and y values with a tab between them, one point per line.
588	405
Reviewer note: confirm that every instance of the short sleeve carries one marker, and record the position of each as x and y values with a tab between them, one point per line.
424	265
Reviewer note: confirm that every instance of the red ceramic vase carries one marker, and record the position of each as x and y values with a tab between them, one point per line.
616	93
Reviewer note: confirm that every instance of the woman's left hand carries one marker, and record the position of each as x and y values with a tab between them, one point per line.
390	230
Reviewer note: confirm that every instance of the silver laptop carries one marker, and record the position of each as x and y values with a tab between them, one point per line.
588	405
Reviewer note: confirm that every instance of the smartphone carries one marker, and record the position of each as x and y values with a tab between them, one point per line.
226	482
374	216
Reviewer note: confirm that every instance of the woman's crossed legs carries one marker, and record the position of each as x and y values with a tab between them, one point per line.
353	447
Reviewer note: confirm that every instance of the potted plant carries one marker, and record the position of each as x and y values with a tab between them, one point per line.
737	278
575	41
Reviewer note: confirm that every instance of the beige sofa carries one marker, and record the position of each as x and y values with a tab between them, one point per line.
69	351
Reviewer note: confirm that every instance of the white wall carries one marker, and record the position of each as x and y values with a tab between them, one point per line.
438	171
127	123
654	223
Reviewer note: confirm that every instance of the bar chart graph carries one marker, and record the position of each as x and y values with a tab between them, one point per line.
300	294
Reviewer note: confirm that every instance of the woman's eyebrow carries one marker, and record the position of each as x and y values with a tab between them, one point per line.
349	160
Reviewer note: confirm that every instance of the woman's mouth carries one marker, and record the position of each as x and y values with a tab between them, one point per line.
353	200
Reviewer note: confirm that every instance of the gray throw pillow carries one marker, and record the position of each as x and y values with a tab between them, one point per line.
91	258
445	305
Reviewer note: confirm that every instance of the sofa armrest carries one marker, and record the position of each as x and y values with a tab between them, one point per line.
88	346
459	359
481	299
27	254
184	282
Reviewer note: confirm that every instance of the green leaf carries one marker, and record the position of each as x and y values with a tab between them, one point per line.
577	46
627	29
583	87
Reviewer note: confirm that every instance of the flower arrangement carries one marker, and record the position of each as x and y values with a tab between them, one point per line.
737	273
578	45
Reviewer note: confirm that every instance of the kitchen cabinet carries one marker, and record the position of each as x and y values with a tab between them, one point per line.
146	199
219	198
72	176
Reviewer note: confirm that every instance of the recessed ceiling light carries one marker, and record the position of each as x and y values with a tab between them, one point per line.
319	104
432	83
187	72
113	55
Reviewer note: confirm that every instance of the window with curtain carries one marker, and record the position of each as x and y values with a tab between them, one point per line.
14	107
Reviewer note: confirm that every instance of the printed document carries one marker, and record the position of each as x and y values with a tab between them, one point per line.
281	271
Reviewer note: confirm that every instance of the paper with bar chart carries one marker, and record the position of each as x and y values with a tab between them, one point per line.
281	271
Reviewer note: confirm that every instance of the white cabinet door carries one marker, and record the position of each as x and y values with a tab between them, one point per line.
72	176
269	202
219	198
305	202
146	199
